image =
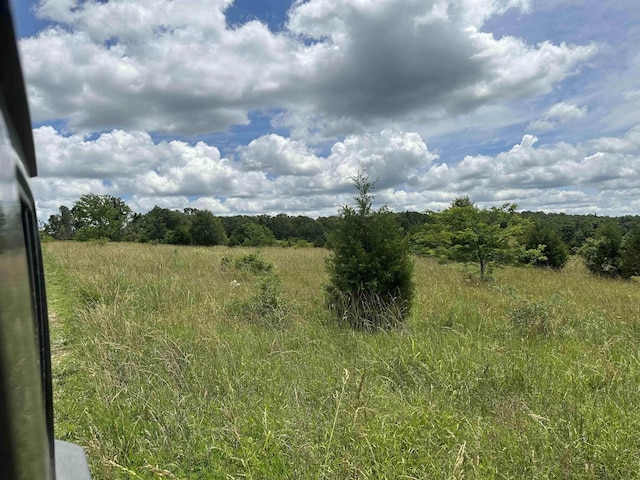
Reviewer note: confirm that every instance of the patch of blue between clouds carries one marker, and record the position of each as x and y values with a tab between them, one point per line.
324	149
238	135
271	12
24	20
59	124
453	147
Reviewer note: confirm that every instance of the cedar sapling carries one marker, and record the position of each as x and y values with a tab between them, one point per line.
370	268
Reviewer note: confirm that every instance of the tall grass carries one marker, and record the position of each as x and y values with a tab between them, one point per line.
161	373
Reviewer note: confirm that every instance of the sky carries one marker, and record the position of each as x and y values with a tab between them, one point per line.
272	106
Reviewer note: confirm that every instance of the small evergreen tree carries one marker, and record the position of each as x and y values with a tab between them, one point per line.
370	268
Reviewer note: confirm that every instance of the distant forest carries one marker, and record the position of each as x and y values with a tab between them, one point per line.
95	217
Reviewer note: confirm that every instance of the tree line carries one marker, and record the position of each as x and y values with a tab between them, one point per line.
105	217
462	232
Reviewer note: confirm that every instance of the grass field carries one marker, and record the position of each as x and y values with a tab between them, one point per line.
167	365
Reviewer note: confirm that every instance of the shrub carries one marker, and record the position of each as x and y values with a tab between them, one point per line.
370	268
267	305
251	262
555	252
601	253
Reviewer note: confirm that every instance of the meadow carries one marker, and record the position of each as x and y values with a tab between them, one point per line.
172	362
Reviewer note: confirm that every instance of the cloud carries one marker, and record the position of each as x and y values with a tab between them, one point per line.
134	163
275	174
558	113
528	166
277	155
271	171
629	143
177	67
376	63
566	111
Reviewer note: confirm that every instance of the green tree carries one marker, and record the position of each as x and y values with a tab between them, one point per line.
486	237
206	229
133	230
60	225
99	216
181	235
630	260
602	252
555	251
370	269
252	234
159	223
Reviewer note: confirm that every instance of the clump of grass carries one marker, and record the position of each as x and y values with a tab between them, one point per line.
368	311
267	305
534	317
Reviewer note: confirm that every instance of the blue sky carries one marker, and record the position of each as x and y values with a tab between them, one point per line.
271	106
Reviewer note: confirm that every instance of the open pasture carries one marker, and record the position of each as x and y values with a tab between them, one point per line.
170	363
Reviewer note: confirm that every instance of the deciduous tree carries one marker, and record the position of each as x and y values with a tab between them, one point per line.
602	252
99	216
206	229
251	234
485	237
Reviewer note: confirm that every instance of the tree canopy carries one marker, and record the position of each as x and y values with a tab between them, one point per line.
466	233
99	216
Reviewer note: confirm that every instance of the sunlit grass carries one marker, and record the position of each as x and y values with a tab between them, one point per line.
160	372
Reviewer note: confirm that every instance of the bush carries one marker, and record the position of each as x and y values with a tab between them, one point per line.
531	318
370	268
251	262
267	306
601	253
555	252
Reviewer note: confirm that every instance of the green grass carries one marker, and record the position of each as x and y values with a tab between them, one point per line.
167	366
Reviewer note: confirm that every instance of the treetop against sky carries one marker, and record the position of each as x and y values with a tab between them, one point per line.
247	106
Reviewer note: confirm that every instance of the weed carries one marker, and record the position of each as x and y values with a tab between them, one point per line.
534	317
251	262
267	305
